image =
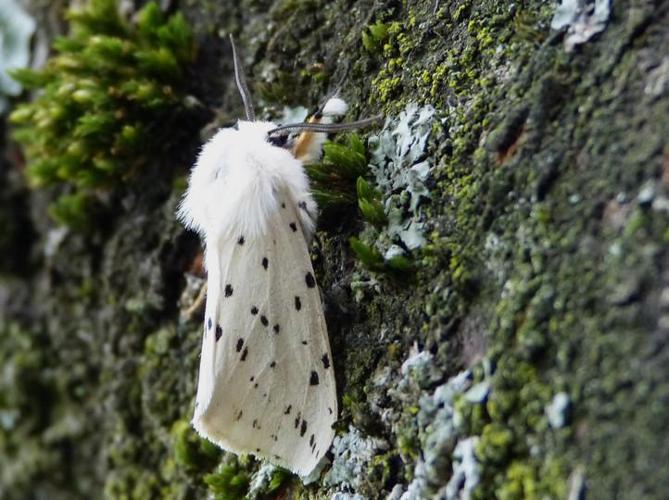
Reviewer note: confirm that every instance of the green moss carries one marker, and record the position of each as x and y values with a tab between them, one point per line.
191	451
279	478
495	444
230	481
374	36
370	205
386	86
334	179
106	99
368	255
526	481
72	210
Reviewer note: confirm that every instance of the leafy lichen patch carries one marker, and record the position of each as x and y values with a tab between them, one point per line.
16	29
401	170
353	453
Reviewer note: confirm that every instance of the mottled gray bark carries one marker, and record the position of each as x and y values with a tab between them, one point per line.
524	358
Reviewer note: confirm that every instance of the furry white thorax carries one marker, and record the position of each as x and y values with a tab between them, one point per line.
234	184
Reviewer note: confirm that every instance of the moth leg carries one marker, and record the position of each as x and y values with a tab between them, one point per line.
198	304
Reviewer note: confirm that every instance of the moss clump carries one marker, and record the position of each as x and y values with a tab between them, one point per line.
230	481
375	35
374	261
191	451
338	183
106	100
279	478
369	203
334	179
26	419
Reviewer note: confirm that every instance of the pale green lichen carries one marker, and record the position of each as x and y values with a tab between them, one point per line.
583	20
16	30
401	169
353	453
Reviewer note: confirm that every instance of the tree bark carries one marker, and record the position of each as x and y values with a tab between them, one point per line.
524	357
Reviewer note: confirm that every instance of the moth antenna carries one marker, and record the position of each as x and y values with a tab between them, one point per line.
328	127
319	112
241	83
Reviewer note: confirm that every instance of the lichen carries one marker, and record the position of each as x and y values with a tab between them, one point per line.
401	170
353	455
266	480
439	439
16	29
583	20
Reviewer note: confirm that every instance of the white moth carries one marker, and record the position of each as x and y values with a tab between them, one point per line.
266	383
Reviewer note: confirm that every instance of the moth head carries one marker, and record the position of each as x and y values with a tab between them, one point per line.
284	141
305	146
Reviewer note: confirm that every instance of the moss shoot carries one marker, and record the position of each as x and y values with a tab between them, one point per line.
103	103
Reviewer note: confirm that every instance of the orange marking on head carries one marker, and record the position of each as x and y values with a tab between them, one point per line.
304	140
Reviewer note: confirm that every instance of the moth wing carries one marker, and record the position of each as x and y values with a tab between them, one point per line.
266	384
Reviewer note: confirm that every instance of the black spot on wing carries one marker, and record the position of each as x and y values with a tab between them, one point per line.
244	354
293	226
240	344
219	332
311	440
298	303
254	310
255	424
239	416
313	378
330	410
276	328
209	324
228	290
252	379
309	279
265	262
326	361
263	320
304	342
303	206
240	241
272	364
303	428
287	410
283	205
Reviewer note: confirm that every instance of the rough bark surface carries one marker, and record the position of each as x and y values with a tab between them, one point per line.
524	358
